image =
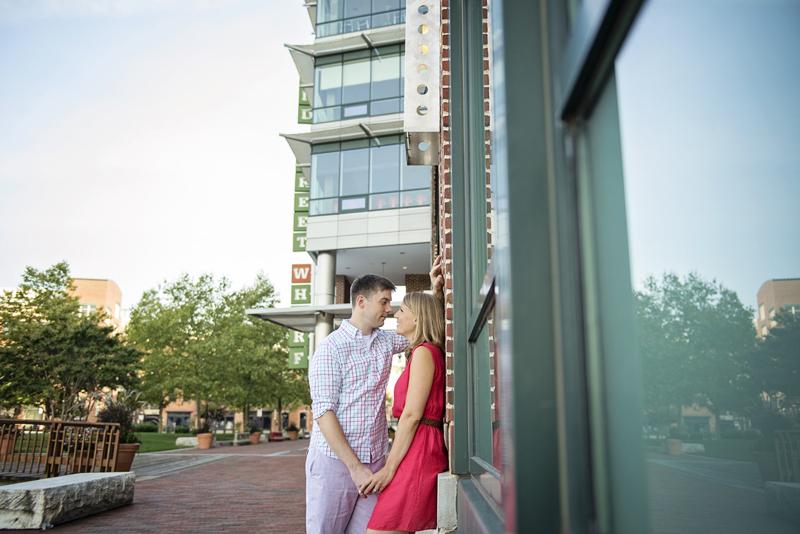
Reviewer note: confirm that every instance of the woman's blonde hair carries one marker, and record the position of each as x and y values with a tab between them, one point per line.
429	313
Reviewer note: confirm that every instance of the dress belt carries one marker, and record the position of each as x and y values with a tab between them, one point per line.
431	422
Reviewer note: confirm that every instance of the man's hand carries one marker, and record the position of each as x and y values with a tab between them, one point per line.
360	474
437	279
378	482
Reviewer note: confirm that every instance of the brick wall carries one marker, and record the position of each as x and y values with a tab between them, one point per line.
445	207
341	290
417	282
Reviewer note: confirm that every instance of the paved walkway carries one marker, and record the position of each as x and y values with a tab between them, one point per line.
699	495
248	489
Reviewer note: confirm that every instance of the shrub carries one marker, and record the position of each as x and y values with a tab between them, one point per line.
182	429
146	427
254	429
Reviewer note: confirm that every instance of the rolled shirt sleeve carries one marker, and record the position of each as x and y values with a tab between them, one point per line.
325	380
399	343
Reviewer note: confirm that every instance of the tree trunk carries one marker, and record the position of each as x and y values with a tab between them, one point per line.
197	419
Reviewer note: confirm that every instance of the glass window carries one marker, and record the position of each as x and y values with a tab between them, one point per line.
706	96
328	86
328	10
415	176
355	172
344	16
386	77
355	81
385	172
358	84
341	171
324	175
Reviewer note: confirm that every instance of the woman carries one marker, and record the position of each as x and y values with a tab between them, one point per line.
407	485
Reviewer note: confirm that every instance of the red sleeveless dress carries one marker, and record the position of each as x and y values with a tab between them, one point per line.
409	501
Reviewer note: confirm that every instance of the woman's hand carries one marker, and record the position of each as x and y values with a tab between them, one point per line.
378	481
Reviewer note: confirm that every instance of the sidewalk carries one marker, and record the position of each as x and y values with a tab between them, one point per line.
697	495
247	489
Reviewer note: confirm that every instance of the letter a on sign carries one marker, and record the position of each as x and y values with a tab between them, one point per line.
301	274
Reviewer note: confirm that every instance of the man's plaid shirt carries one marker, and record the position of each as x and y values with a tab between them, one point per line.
348	374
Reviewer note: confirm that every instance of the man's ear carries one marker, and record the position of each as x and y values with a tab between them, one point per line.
361	301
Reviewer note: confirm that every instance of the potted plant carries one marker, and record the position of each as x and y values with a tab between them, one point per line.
292	430
205	439
255	434
675	440
122	410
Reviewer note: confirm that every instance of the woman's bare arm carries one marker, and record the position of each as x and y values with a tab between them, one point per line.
420	380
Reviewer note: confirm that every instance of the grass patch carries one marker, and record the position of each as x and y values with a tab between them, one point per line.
154	442
724	449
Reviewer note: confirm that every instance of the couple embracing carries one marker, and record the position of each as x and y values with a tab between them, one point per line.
351	486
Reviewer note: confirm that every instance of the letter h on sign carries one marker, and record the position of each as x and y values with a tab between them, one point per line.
301	294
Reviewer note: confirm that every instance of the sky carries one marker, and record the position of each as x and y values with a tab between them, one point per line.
139	139
709	114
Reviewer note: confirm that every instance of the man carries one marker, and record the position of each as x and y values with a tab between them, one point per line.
348	376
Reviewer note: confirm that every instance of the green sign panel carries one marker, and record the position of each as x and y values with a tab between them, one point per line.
299	242
301	202
303	108
298	357
300	181
300	221
298	339
301	294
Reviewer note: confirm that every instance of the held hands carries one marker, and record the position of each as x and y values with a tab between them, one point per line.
378	482
361	475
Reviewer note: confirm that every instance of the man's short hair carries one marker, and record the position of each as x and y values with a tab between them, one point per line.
367	285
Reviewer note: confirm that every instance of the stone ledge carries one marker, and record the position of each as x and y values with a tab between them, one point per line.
50	501
192	442
447	486
783	500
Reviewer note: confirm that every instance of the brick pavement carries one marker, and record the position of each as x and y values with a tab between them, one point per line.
251	493
682	503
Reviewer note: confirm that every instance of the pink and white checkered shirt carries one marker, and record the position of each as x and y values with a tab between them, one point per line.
348	374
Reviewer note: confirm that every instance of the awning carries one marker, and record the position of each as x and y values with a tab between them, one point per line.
301	143
311	5
304	318
347	42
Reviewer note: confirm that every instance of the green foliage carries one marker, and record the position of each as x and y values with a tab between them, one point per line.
775	364
694	338
145	427
122	410
50	355
200	344
255	428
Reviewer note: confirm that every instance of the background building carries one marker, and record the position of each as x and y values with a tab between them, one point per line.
773	297
96	294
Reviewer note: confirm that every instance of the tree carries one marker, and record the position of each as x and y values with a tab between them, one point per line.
694	338
50	355
775	362
201	344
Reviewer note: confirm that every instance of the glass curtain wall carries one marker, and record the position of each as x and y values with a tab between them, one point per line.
645	185
366	174
357	84
344	16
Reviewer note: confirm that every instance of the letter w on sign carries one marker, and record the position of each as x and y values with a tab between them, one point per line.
301	274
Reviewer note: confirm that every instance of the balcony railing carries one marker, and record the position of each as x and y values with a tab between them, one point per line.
43	449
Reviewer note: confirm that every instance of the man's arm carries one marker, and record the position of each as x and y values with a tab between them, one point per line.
437	279
334	436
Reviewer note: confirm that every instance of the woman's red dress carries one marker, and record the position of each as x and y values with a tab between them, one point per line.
409	501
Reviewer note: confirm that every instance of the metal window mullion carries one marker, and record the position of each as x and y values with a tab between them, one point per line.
459	243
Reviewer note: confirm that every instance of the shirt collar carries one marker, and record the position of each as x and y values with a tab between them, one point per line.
353	332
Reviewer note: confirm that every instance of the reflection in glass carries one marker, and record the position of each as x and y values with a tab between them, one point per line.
328	10
384	202
359	110
350	204
378	6
355	172
708	112
421	197
324	175
326	206
415	176
385	172
386	77
355	81
328	86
